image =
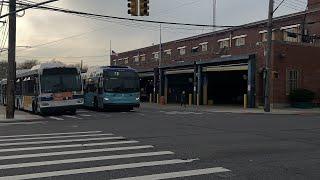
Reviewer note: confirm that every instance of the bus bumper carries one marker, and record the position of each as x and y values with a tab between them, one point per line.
124	105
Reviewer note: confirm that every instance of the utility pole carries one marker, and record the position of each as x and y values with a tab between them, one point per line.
214	14
160	47
11	61
268	58
160	62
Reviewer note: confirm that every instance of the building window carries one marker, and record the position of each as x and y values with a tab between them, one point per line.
195	49
115	62
204	46
126	60
182	50
143	57
155	55
240	42
224	43
136	59
293	77
291	33
264	35
167	52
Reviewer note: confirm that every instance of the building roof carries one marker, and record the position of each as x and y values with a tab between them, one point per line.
248	25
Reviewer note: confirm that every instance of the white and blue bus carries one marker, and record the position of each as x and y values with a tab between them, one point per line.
111	87
48	88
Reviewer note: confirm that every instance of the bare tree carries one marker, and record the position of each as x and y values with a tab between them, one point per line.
28	64
78	65
3	69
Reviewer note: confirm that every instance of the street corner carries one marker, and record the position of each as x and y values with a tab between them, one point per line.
21	118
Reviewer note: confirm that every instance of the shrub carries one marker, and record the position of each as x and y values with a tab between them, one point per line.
302	95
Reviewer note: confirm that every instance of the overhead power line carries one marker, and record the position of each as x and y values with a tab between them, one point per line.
27	7
68	11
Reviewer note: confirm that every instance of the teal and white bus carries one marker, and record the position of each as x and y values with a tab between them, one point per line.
48	88
111	87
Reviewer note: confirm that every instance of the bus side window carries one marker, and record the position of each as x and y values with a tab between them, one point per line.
36	86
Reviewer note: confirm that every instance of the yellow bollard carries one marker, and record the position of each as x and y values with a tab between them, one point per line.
190	99
245	101
157	98
150	98
198	100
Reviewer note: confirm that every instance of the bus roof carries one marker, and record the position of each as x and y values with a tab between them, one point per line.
98	70
38	69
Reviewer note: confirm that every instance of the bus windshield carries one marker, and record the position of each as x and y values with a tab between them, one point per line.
62	82
121	82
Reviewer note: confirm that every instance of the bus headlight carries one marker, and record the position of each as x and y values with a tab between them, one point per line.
106	99
137	99
45	104
80	101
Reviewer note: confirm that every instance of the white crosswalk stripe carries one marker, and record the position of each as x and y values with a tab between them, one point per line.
179	174
73	152
100	158
72	117
96	169
56	118
50	134
85	115
56	137
67	146
60	141
53	152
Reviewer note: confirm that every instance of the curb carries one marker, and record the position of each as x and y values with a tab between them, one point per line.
21	120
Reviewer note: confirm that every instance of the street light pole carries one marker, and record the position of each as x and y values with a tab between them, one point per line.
268	58
11	61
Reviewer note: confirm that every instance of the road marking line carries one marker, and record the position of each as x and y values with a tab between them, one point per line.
179	174
72	117
73	152
60	141
56	137
83	111
56	118
67	146
22	123
96	169
85	115
86	159
31	135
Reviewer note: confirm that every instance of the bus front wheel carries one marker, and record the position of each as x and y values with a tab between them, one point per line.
34	110
73	111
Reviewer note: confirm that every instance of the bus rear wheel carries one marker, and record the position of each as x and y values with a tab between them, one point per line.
73	111
34	110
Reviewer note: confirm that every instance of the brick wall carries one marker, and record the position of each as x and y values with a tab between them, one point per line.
313	4
214	51
304	58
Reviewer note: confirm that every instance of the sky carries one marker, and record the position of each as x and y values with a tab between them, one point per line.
70	39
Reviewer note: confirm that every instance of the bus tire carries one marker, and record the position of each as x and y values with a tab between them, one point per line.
18	105
34	111
73	111
95	104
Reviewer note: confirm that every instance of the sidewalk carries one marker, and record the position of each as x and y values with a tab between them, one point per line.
20	116
233	109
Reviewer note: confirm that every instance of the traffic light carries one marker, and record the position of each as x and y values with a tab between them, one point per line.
144	7
133	7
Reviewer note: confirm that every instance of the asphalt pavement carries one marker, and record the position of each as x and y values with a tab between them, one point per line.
154	143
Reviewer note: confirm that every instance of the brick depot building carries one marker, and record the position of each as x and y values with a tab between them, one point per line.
220	67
